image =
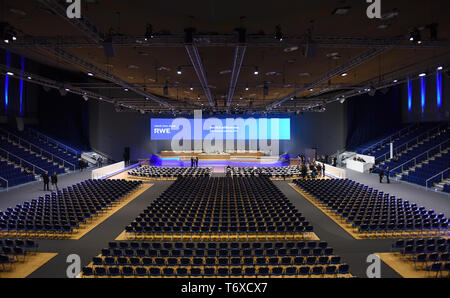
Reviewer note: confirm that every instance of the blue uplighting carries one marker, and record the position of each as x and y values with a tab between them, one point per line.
422	86
22	63
8	64
439	88
409	95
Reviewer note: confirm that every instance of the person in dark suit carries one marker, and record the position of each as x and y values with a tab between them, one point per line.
323	170
196	162
388	172
192	162
46	181
54	180
381	174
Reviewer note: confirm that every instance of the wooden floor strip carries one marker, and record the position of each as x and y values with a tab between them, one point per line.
31	264
403	267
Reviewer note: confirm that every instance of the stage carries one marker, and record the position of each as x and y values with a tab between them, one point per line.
218	161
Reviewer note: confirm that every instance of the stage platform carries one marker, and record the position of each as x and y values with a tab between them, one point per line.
213	156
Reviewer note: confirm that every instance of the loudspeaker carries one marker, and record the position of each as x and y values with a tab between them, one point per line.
109	48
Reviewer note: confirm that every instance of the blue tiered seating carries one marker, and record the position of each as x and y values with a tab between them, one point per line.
373	213
14	175
60	213
447	188
418	154
421	175
30	159
406	141
63	158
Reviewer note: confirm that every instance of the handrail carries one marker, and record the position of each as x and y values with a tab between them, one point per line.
408	128
405	143
415	157
7	182
22	160
63	146
39	148
441	173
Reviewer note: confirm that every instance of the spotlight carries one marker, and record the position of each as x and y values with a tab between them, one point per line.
85	97
90	74
191	88
422	74
395	81
149	32
342	100
126	89
256	71
311	90
344	74
440	68
67	89
246	88
9	73
29	78
278	33
198	97
179	71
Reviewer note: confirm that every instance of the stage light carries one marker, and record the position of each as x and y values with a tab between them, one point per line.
311	90
344	74
395	81
90	74
246	88
126	89
422	74
256	71
67	89
179	71
146	98
29	78
85	98
9	73
191	88
198	97
278	33
440	68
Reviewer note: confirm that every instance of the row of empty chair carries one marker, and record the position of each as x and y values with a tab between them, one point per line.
328	271
27	159
419	153
61	213
371	212
276	172
15	250
211	259
431	172
169	172
428	255
220	208
407	140
13	175
39	146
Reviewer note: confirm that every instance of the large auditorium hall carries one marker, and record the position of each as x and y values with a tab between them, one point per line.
224	147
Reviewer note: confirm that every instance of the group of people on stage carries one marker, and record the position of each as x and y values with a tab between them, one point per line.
47	179
194	162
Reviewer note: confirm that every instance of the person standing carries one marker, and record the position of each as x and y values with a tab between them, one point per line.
46	181
388	172
323	170
54	180
196	162
380	173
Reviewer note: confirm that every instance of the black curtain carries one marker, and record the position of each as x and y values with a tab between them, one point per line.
370	117
65	117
